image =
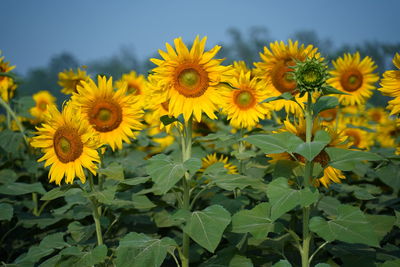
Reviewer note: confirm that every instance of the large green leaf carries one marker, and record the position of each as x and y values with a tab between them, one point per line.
93	257
165	172
284	96
137	250
192	165
284	199
324	103
275	143
6	211
21	189
232	181
240	261
310	150
256	221
390	175
382	224
346	160
7	176
207	226
56	192
350	225
113	171
10	141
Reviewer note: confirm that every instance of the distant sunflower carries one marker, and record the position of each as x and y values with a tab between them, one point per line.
7	84
112	114
391	79
377	115
213	158
387	133
70	79
275	71
242	105
42	100
329	116
354	77
69	144
190	79
136	84
330	174
356	131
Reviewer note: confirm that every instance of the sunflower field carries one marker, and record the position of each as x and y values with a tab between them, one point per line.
200	163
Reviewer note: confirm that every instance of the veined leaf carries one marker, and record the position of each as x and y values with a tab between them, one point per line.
275	143
207	226
346	160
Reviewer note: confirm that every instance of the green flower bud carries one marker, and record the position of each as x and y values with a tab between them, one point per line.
310	75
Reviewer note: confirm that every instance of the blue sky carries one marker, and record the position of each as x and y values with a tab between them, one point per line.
33	31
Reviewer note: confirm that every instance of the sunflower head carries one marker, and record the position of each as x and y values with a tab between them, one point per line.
42	100
310	75
7	84
69	80
213	158
190	78
112	114
355	77
69	144
136	85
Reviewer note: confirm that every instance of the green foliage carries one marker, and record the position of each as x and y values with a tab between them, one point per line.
346	160
207	226
275	143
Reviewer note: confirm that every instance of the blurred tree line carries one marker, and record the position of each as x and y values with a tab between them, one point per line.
242	46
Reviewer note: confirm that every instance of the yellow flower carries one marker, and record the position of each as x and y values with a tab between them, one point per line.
330	174
354	77
69	80
387	133
242	105
7	85
391	79
68	143
190	79
213	158
112	114
42	99
275	71
137	85
353	128
377	115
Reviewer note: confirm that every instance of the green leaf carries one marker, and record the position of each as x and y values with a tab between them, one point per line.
192	165
256	221
23	105
164	172
349	226
346	160
284	199
167	120
138	250
232	181
7	176
54	241
6	212
135	181
324	103
390	175
113	171
93	257
55	193
382	224
16	189
397	222
282	263
285	96
391	263
328	90
106	196
142	202
243	155
207	226
240	261
329	205
363	194
10	141
79	232
275	143
312	149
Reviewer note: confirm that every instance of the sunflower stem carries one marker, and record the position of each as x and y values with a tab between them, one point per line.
305	248
186	154
96	215
11	113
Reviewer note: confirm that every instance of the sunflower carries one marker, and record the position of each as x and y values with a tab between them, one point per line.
391	79
190	79
137	85
387	133
356	130
69	80
275	71
213	158
354	77
42	100
7	84
377	115
330	174
69	144
112	114
242	105
329	116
